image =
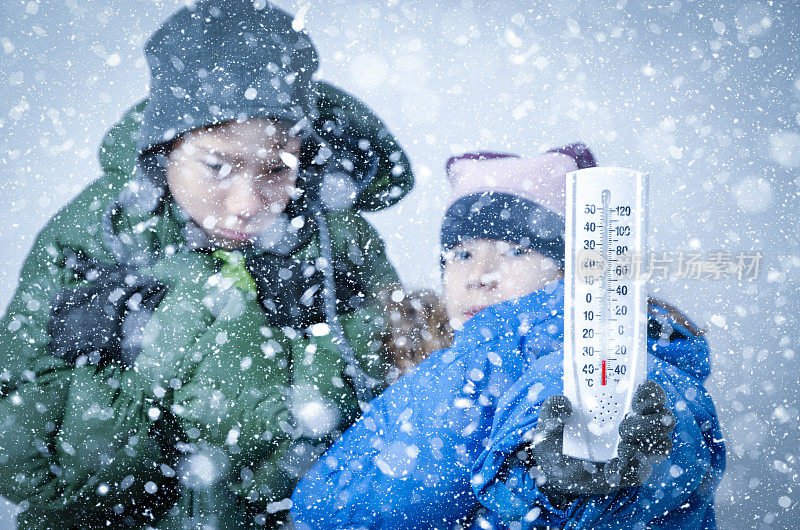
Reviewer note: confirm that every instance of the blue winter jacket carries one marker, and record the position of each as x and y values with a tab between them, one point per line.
437	448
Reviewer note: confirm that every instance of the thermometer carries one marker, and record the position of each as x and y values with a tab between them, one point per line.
605	320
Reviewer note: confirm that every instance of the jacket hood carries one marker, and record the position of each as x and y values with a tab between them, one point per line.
684	347
359	146
217	61
118	150
348	129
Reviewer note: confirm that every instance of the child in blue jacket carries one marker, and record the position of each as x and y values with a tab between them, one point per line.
473	436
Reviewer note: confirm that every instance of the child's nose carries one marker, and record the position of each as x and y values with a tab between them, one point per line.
243	199
485	274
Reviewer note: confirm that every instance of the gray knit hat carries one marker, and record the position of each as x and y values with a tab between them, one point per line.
222	60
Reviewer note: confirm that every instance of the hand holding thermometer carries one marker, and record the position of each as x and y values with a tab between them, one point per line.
605	323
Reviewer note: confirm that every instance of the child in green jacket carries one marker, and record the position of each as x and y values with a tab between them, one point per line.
193	329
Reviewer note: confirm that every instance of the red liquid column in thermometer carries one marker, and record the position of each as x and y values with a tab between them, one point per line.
604	373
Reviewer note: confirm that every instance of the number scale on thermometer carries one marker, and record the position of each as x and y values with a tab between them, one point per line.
605	321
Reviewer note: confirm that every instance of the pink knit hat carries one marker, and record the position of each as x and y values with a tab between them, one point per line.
541	179
502	196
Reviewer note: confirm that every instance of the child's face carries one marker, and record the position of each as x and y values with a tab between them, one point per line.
234	180
483	272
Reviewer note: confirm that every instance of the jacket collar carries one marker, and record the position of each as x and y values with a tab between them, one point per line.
513	317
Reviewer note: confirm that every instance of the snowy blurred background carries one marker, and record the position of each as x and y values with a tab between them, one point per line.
703	94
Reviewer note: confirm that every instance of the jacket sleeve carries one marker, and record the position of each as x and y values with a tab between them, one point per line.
73	439
407	462
235	397
383	471
677	495
356	242
320	403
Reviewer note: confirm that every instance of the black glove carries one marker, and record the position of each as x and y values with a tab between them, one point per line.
103	320
644	440
290	290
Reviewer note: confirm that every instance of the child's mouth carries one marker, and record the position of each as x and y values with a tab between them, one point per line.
233	235
472	311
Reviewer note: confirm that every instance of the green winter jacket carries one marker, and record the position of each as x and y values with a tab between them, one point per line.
221	412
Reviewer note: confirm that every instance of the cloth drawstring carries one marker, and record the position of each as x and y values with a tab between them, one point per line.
109	235
364	384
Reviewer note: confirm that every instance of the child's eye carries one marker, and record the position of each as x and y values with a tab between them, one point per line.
518	250
274	175
461	255
218	170
277	171
456	255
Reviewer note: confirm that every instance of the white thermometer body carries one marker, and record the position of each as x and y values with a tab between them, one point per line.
605	318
